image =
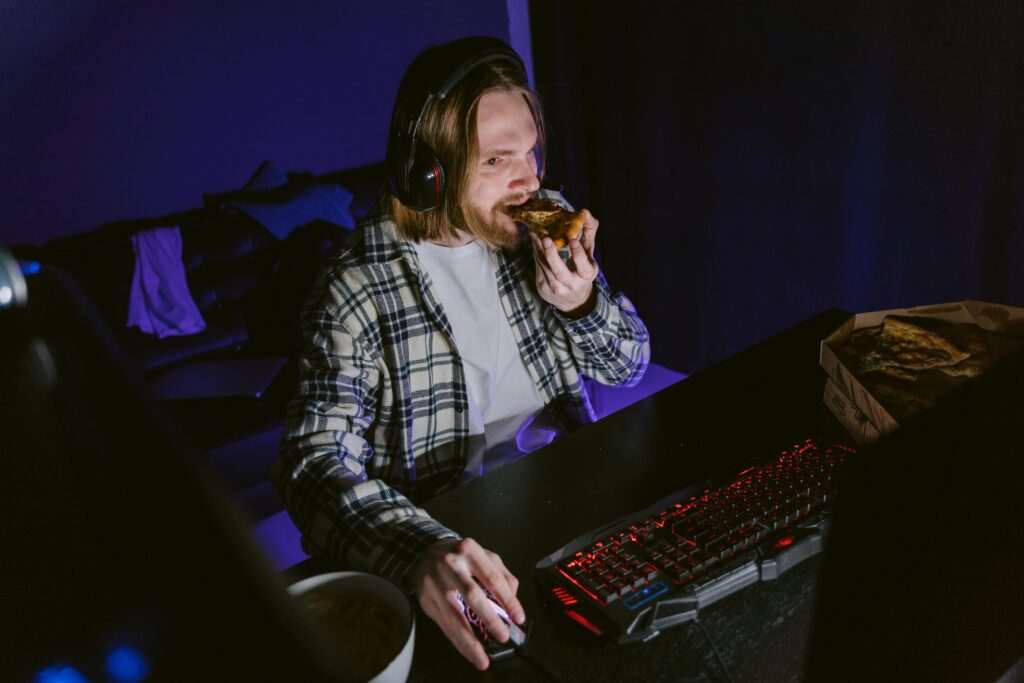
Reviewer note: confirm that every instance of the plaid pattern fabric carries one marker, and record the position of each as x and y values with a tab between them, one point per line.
379	419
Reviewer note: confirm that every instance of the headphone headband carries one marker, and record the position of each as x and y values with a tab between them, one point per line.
502	53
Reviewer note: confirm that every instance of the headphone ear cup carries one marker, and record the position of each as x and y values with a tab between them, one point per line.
426	180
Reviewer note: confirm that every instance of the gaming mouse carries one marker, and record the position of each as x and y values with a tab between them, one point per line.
495	650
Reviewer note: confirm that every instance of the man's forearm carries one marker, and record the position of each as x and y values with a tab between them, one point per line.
611	342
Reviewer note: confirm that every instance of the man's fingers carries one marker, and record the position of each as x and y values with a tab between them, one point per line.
574	275
451	568
553	260
470	564
547	279
477	601
566	285
457	629
582	263
589	235
555	269
445	608
498	585
511	602
504	587
543	275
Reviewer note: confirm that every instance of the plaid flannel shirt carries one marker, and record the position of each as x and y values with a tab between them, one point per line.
379	419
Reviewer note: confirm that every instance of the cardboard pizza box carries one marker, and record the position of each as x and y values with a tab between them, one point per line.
854	398
849	415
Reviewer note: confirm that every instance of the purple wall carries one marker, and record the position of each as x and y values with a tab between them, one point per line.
137	109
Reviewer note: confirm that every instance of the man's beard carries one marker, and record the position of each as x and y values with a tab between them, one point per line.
491	231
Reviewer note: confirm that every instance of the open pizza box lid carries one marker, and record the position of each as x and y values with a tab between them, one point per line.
852	397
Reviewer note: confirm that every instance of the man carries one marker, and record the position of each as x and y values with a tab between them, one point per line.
442	342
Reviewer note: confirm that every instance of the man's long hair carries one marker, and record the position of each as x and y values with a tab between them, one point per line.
449	127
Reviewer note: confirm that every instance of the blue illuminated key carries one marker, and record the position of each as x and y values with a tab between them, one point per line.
645	595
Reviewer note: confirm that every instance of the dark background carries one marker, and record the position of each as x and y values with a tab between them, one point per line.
119	110
751	163
756	162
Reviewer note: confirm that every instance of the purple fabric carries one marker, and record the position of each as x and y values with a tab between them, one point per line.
160	302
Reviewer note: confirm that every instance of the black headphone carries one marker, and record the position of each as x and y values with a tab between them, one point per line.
415	174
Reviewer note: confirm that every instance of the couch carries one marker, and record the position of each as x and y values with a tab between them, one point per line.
227	385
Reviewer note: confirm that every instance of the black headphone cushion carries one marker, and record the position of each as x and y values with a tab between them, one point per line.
417	183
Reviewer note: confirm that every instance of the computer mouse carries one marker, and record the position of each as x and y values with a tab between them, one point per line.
495	649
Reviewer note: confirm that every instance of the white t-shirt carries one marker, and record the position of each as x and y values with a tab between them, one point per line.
502	396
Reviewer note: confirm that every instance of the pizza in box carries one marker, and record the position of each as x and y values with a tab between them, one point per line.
908	363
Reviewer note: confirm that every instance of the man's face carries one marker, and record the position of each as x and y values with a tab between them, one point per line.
505	171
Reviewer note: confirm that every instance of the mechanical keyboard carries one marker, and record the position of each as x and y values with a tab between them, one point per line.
658	567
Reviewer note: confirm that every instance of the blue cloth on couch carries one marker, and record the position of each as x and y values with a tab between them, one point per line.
159	301
319	202
281	209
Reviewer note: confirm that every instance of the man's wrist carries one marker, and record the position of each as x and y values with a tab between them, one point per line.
586	309
410	582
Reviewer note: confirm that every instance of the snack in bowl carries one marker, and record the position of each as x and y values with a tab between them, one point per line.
368	617
545	218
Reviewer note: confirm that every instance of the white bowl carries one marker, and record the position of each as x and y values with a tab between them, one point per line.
361	586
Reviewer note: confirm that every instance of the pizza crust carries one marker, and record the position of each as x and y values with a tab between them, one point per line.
978	361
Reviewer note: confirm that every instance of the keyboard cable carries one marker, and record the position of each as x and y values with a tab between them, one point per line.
532	658
718	655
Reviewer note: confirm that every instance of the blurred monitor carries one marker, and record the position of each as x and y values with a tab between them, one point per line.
923	575
122	561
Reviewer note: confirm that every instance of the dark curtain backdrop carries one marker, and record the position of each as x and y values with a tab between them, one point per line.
753	164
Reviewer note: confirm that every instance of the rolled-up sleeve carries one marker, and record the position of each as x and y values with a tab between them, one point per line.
611	343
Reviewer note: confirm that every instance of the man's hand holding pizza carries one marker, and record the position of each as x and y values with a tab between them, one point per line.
568	285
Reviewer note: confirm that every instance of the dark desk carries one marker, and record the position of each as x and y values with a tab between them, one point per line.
753	404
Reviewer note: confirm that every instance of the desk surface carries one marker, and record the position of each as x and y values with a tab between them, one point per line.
753	404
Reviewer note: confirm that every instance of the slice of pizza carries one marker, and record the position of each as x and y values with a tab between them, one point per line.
977	363
910	347
545	218
896	372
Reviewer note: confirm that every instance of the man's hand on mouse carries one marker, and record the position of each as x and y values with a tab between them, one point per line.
445	570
